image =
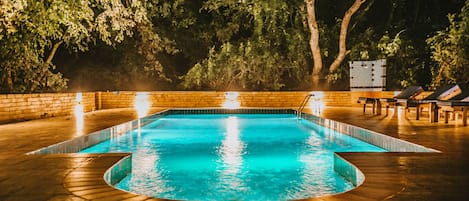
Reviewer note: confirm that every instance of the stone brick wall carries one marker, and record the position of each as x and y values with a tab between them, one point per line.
187	99
20	107
175	99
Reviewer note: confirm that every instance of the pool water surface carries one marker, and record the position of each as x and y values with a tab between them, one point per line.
233	157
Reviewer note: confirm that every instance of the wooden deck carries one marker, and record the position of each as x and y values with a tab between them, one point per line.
388	176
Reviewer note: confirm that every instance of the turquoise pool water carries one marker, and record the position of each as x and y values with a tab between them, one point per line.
233	157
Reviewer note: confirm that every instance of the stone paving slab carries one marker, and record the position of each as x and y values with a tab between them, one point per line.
388	176
421	176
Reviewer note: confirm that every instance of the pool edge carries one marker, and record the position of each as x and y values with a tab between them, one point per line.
386	142
335	125
348	171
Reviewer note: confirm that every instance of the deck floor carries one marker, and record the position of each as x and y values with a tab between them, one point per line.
388	176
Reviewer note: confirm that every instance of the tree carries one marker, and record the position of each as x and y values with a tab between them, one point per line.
35	34
262	45
343	34
24	41
314	40
417	19
33	31
398	25
449	51
402	63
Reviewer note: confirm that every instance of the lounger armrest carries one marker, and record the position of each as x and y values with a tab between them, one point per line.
453	103
366	100
388	100
426	101
401	100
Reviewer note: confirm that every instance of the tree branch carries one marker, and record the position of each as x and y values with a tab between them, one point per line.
343	34
53	51
314	40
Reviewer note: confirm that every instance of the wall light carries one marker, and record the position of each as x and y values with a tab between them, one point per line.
231	100
142	104
315	102
79	113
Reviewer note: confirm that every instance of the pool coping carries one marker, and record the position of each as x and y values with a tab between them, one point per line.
122	167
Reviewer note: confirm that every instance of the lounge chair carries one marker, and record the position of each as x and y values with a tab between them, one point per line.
459	103
442	93
408	93
375	104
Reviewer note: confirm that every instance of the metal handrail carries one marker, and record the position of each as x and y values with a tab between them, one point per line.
303	105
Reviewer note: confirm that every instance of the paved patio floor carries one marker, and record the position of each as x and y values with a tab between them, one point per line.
388	176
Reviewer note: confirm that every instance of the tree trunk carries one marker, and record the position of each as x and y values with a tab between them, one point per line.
48	61
8	80
416	12
343	35
362	14
314	40
390	20
53	51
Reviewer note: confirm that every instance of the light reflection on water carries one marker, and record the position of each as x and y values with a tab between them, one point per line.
79	114
234	157
230	152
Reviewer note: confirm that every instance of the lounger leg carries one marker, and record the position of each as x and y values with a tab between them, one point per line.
446	116
417	117
433	112
430	112
464	116
378	107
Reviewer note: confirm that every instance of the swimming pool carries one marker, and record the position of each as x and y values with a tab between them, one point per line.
232	157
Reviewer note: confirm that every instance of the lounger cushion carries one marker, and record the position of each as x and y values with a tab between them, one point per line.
453	103
444	92
463	96
409	92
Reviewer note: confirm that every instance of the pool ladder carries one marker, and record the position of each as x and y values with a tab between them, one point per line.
303	105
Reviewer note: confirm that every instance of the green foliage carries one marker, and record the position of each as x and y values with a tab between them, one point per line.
329	37
247	66
28	73
403	66
184	23
268	42
111	68
24	43
396	30
365	46
449	51
149	46
9	13
32	32
268	48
